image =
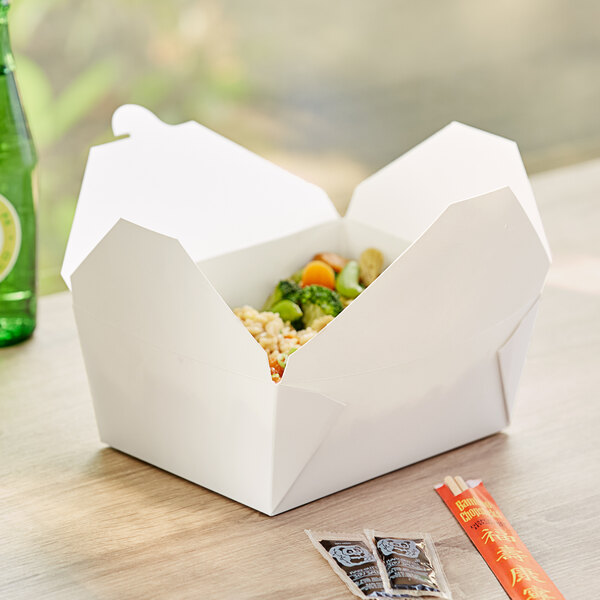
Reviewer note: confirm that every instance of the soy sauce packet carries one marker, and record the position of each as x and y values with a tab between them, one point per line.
409	564
351	558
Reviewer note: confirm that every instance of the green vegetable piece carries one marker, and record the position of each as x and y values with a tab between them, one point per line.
347	282
284	290
317	301
283	360
298	324
287	310
297	276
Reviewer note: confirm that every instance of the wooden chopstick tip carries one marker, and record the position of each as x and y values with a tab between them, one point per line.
456	484
461	483
452	485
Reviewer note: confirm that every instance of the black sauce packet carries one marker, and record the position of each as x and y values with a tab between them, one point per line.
409	564
352	560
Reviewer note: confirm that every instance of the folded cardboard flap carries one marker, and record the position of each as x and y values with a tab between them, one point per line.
131	119
166	360
184	416
456	163
398	415
145	284
511	356
478	263
302	421
188	182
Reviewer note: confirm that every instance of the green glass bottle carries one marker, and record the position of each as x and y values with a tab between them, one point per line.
17	204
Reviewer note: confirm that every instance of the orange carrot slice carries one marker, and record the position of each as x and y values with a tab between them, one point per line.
317	272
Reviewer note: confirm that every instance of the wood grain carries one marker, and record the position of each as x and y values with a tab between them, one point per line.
79	520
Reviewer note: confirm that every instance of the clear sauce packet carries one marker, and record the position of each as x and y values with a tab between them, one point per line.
408	564
351	558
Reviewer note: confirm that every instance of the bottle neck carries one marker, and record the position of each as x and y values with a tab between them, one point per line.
7	62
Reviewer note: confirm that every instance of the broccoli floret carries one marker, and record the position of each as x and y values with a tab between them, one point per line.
284	290
297	276
317	301
298	324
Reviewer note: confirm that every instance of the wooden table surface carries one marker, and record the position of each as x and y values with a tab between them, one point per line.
80	520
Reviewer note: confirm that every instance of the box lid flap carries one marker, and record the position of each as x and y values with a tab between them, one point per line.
144	284
477	265
189	183
456	163
302	421
511	356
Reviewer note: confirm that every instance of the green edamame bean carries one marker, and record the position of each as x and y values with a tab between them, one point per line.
287	310
347	281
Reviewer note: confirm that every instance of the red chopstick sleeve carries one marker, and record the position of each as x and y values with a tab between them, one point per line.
499	545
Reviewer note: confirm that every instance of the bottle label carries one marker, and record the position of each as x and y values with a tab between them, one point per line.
10	237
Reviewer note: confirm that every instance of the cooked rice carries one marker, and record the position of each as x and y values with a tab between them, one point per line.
275	336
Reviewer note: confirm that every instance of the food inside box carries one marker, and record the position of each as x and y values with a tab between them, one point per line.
307	301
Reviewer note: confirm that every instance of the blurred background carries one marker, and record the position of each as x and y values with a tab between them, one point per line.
329	90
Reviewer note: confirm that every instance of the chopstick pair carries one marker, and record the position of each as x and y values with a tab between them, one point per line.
456	484
496	540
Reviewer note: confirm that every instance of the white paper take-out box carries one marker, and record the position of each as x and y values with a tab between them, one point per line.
176	225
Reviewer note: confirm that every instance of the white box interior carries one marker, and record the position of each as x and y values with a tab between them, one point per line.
248	276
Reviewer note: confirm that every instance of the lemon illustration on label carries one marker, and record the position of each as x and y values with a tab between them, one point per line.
10	237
